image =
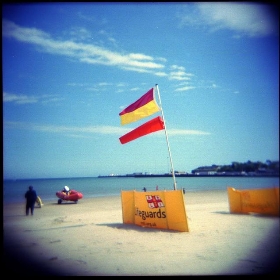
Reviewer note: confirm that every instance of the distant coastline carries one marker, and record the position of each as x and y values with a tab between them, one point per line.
188	175
236	169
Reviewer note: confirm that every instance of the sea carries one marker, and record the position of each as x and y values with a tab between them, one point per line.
14	190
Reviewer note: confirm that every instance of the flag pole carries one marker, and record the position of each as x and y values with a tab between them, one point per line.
173	174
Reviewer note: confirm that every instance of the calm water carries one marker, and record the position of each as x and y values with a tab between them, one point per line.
14	190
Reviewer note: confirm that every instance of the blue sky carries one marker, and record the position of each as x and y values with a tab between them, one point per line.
69	69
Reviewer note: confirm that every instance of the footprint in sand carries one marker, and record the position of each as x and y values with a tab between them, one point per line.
59	220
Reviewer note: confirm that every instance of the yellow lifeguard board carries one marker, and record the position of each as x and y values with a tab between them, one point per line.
157	209
39	201
261	201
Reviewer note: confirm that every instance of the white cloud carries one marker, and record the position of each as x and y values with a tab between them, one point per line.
79	131
92	54
250	19
187	132
87	53
179	75
19	99
26	99
161	74
185	88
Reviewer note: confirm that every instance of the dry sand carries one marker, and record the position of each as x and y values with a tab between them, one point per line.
89	238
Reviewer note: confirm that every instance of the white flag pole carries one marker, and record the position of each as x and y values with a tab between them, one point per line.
173	174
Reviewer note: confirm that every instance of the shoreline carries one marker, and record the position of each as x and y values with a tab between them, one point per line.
89	238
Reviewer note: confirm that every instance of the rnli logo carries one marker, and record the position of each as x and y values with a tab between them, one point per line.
154	201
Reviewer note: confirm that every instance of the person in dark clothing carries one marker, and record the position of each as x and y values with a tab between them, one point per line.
31	197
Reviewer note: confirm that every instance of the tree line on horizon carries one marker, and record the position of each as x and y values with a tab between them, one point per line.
249	166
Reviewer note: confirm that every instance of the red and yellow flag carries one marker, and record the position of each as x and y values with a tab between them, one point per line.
153	125
141	108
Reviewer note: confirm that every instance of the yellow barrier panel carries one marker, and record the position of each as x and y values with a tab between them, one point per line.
127	204
261	201
159	209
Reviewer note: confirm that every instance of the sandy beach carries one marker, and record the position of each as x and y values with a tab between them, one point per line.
90	239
